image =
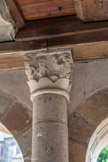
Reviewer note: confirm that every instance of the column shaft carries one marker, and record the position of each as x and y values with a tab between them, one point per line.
50	132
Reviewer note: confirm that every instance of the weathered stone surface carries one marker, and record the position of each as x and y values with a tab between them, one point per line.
50	79
7	25
77	152
14	82
88	78
79	130
49	72
50	107
25	143
50	143
103	96
17	119
54	65
50	132
5	102
92	110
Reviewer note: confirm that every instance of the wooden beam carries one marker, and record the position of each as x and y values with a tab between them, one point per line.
13	47
88	41
57	27
42	9
12	59
91	10
90	51
90	36
16	14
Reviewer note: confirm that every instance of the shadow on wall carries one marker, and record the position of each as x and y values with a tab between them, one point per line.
82	124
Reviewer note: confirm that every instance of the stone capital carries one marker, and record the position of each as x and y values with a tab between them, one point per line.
49	72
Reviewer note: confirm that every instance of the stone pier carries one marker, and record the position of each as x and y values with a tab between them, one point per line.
50	79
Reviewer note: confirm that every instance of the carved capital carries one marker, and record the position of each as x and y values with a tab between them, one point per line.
7	24
49	72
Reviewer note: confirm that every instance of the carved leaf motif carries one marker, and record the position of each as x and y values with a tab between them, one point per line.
53	67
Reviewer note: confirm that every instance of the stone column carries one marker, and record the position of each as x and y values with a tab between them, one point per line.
50	79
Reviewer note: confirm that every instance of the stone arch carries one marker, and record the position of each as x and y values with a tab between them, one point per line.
83	122
98	141
17	118
89	77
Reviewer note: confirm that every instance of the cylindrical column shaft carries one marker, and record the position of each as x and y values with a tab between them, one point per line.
50	132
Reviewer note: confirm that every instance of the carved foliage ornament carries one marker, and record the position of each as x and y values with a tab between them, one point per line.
49	70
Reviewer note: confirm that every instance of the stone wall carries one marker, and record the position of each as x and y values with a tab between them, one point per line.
87	108
17	118
83	122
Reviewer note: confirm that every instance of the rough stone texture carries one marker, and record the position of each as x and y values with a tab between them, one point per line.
49	76
50	131
48	109
88	79
15	82
49	72
103	96
7	25
92	111
50	143
79	130
6	101
77	152
17	119
53	65
85	119
25	143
